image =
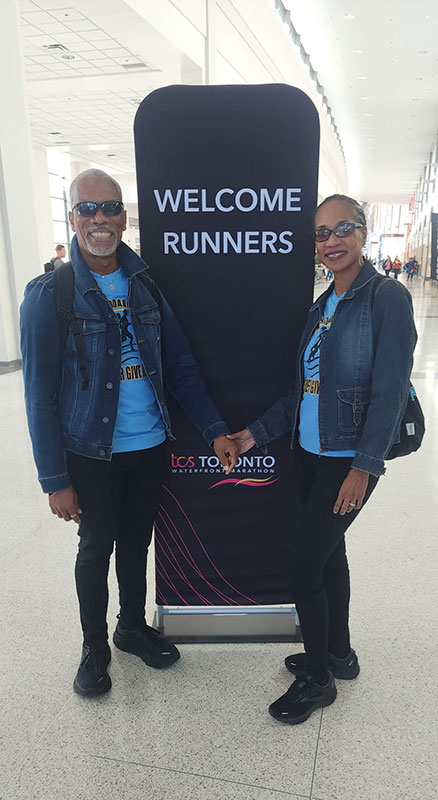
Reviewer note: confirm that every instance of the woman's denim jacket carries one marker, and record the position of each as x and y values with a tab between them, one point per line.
365	366
61	415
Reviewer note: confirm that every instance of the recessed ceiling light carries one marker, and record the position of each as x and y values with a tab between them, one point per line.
364	98
367	115
428	16
423	52
357	50
68	56
351	16
418	79
361	77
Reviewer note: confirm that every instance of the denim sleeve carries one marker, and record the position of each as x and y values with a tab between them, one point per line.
41	355
275	422
395	337
183	379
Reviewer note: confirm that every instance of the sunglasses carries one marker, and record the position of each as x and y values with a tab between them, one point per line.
341	231
110	208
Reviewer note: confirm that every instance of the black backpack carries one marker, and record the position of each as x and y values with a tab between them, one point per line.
49	266
63	291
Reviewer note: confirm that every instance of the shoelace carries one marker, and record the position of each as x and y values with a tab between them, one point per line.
300	689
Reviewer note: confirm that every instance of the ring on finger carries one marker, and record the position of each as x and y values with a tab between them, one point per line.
352	504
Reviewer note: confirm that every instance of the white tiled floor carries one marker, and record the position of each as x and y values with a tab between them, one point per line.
201	730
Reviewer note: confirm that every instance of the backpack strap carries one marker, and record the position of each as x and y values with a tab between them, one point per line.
152	288
378	279
63	291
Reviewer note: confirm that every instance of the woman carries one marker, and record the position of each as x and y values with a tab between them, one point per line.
354	363
387	266
396	267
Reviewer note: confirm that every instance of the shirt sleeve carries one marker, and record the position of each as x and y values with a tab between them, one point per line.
183	378
41	353
395	337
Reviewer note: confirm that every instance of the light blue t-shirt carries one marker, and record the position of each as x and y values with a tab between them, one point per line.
138	423
308	430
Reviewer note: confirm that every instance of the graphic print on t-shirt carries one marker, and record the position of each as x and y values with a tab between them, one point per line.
308	429
311	358
132	368
138	423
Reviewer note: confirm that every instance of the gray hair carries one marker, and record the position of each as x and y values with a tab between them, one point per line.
92	173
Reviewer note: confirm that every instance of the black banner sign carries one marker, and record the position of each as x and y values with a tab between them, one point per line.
227	184
434	248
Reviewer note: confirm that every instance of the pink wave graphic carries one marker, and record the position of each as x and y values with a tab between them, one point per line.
253	482
178	571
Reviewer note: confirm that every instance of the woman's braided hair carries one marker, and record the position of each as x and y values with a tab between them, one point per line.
355	207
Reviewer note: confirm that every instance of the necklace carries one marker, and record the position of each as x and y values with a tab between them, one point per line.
110	278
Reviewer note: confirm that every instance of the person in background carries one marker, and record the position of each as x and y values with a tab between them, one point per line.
57	260
353	364
411	268
396	267
98	419
387	266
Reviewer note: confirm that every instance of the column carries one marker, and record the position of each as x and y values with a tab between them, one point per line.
20	258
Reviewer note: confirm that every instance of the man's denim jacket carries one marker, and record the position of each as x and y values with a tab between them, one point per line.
61	415
365	366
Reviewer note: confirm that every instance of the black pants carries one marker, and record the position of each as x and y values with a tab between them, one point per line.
119	500
320	574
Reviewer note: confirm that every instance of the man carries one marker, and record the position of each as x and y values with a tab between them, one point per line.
57	261
98	422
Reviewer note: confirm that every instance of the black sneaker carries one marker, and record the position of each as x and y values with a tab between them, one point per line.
92	678
149	644
302	698
346	669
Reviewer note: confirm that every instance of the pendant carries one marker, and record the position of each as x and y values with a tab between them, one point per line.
112	287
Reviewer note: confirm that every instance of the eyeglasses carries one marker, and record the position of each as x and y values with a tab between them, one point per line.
110	208
341	231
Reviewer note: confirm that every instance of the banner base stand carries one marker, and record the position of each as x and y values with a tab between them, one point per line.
212	624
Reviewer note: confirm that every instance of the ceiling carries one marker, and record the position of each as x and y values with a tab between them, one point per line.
88	65
378	63
84	83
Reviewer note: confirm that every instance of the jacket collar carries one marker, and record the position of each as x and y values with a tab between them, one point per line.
128	260
365	275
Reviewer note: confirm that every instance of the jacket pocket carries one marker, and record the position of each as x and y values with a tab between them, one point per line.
352	408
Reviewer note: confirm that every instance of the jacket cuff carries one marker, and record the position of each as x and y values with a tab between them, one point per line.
260	435
213	431
55	483
375	466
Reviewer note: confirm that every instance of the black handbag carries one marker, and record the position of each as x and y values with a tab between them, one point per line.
412	428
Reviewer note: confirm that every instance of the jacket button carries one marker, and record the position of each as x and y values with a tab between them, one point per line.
110	351
109	385
105	419
102	452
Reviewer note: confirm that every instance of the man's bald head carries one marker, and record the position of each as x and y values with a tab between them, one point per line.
86	180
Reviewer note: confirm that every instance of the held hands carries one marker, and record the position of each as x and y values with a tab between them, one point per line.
65	505
352	492
227	453
244	439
